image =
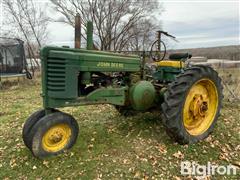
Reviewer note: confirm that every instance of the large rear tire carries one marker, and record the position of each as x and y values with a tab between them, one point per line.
192	104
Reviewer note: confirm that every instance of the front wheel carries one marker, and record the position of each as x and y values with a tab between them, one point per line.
34	118
29	123
53	134
192	104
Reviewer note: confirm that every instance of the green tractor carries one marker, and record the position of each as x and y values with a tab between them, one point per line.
189	97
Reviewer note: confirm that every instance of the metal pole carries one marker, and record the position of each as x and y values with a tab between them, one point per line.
89	35
143	65
77	31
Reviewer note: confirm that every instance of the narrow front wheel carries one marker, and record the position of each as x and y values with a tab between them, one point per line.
53	134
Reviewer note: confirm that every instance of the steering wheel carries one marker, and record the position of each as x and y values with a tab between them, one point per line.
155	53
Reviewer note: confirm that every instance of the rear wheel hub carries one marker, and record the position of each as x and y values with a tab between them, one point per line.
200	107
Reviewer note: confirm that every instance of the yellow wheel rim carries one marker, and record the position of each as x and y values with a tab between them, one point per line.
56	138
200	107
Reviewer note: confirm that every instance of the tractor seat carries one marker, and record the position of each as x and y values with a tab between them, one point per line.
178	56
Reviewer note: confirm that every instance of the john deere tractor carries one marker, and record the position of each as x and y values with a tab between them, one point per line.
189	97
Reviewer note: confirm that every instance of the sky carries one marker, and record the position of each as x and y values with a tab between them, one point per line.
195	23
203	23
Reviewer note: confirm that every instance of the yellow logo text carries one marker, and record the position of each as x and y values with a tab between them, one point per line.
110	65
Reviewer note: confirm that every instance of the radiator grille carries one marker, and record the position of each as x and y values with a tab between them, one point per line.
56	74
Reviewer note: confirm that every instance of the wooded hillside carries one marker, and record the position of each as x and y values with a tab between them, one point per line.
222	52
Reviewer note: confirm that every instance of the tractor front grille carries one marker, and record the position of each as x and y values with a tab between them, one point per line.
56	74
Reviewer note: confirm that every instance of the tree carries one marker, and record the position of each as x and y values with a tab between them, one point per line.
28	21
117	23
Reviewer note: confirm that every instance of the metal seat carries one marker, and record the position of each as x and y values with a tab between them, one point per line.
178	56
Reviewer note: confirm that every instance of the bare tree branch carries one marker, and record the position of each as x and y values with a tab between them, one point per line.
114	20
30	23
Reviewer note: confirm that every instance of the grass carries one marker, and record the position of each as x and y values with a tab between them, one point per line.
110	146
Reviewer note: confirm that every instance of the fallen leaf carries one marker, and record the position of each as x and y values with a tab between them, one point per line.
13	163
176	178
137	174
223	156
46	163
162	149
178	155
90	146
126	161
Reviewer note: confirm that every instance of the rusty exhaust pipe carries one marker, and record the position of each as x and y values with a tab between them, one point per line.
77	31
